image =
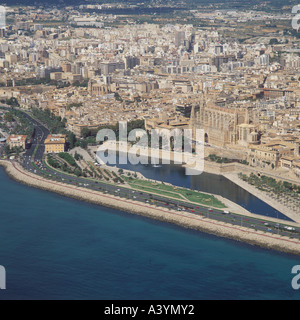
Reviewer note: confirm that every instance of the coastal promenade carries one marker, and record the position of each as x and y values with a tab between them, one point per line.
264	197
231	171
184	219
232	226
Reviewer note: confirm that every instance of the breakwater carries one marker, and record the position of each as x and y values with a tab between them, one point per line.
186	220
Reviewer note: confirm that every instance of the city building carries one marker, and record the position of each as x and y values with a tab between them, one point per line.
55	143
17	141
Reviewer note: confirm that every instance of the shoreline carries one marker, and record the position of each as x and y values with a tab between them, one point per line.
231	171
263	197
227	170
186	220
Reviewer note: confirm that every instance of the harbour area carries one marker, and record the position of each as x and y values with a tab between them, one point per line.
183	218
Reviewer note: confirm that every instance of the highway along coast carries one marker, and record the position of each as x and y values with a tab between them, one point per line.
259	230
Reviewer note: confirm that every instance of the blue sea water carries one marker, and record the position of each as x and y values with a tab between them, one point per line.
57	248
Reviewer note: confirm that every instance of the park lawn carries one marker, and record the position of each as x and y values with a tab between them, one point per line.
204	199
158	192
175	192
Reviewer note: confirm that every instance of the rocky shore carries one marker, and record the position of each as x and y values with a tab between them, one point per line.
270	241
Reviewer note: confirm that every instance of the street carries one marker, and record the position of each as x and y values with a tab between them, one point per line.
33	161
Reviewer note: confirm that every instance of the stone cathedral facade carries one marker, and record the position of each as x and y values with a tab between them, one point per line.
222	125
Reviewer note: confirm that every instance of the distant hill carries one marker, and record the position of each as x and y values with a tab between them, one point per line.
42	2
226	3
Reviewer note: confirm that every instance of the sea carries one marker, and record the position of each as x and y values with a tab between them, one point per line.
53	247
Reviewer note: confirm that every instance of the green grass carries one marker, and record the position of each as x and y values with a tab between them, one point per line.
35	151
67	157
161	192
169	191
175	192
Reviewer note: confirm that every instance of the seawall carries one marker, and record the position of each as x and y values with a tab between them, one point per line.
230	171
186	220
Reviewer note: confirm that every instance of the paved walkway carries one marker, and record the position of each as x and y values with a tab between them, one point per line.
264	197
184	219
86	156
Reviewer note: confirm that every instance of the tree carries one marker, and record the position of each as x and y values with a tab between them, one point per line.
85	132
13	102
81	143
77	156
78	172
71	139
7	149
274	41
118	97
9	117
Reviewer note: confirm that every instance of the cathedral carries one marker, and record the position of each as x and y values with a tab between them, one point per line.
222	125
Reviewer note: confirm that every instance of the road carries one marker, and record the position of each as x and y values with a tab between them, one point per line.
37	147
33	162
